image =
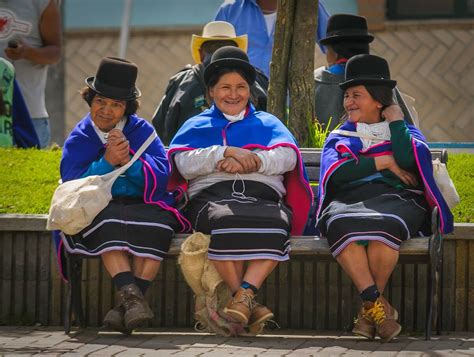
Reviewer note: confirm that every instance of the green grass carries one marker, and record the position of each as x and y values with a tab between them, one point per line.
461	170
28	179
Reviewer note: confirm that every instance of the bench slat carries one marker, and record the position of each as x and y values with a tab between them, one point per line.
305	245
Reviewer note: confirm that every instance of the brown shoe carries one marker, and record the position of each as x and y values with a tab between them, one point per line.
364	324
114	319
384	318
390	311
259	315
240	306
137	311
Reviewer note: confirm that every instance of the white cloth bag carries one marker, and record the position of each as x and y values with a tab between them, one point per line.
76	203
445	184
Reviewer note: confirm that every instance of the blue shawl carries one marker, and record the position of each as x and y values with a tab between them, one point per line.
257	130
83	146
338	149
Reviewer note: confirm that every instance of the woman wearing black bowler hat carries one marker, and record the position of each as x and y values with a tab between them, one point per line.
245	180
140	221
376	190
346	36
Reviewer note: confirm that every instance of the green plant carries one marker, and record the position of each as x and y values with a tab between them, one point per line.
317	133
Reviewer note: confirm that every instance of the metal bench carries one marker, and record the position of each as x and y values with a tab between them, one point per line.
417	250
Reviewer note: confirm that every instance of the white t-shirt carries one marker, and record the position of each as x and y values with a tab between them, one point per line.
270	20
22	18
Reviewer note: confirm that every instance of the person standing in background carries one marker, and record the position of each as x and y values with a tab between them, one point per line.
346	36
257	19
185	95
30	37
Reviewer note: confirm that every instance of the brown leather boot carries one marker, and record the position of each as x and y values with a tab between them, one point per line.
114	319
137	311
364	324
259	315
240	306
384	318
391	312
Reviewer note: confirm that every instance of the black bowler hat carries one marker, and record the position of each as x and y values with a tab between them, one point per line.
367	70
346	27
233	58
115	79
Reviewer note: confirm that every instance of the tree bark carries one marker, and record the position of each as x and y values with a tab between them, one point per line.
301	70
280	58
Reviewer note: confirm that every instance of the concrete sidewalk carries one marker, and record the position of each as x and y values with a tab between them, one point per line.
52	341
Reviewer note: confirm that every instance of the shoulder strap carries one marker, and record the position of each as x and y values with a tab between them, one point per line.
116	173
356	134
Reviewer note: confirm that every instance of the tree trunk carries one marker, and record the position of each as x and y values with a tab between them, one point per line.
301	70
281	58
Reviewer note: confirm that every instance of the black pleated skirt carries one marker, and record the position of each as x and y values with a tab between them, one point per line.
372	212
126	224
247	220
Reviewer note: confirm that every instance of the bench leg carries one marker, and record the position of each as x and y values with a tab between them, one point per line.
76	292
74	296
68	312
433	313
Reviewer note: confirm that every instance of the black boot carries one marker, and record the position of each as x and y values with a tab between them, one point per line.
114	319
137	312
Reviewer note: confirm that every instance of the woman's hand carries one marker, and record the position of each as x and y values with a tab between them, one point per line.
230	165
387	162
118	148
249	160
392	113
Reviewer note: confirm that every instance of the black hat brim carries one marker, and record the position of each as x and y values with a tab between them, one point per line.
247	68
368	81
111	93
347	37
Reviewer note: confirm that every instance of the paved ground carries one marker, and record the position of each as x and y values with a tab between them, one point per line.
95	342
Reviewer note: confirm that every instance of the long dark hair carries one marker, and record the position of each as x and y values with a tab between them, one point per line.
131	107
382	94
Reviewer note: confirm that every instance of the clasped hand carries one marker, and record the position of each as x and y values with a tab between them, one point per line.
238	160
118	148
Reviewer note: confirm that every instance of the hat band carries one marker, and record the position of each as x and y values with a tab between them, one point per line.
347	31
115	92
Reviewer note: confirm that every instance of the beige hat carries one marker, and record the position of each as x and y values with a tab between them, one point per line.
213	31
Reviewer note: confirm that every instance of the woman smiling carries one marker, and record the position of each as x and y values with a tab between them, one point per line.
244	176
133	233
